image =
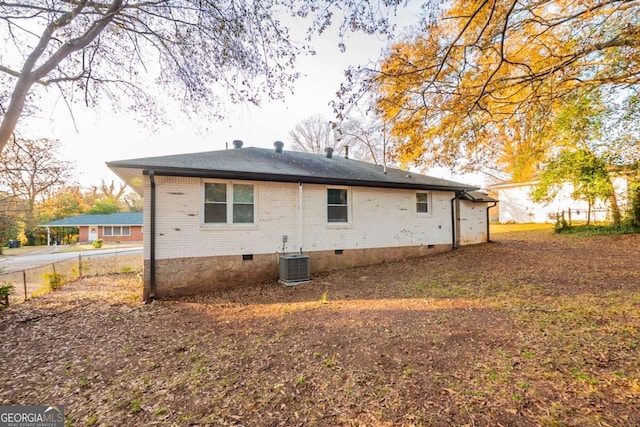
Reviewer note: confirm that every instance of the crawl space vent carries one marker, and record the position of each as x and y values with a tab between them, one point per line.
294	269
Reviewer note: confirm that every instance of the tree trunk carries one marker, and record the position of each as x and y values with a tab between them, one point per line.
28	76
615	208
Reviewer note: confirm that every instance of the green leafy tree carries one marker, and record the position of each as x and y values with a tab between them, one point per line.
587	172
104	206
623	150
8	221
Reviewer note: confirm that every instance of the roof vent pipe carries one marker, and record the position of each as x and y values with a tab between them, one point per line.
346	151
279	145
328	152
237	143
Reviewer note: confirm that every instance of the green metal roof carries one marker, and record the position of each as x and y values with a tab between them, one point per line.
120	218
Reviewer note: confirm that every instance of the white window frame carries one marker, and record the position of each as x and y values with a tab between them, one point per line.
429	203
113	229
229	204
349	207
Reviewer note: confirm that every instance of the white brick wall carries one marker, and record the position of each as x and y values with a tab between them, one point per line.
473	222
378	218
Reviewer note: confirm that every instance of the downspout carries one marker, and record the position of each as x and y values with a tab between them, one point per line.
489	207
300	217
152	239
453	223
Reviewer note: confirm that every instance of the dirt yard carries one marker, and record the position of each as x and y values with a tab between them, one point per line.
534	329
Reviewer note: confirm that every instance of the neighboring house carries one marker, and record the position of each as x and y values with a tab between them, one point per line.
117	227
517	205
222	218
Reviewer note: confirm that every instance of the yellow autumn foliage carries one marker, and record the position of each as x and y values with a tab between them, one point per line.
480	87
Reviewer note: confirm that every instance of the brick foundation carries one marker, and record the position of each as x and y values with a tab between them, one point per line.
189	276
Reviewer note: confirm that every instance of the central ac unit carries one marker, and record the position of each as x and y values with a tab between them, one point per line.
294	269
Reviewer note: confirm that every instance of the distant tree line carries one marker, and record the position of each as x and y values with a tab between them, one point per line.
38	186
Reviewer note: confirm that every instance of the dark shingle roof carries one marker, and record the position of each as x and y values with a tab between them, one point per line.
121	218
262	164
478	196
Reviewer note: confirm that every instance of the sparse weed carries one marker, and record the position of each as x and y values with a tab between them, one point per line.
136	406
53	280
323	298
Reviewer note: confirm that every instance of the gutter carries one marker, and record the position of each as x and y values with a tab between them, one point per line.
152	231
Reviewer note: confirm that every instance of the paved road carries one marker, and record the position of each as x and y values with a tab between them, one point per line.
16	263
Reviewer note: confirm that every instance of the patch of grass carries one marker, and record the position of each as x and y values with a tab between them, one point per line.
161	411
84	382
509	228
92	420
136	406
597	230
128	350
330	362
324	299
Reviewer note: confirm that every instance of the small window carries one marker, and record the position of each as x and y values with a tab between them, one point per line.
242	204
228	204
422	203
215	203
337	205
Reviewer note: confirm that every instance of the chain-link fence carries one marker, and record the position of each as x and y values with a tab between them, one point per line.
33	281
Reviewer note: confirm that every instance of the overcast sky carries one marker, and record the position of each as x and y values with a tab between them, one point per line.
103	136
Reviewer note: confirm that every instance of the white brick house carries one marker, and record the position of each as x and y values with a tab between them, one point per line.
223	218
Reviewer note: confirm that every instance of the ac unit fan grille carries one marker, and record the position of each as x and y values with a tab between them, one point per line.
294	269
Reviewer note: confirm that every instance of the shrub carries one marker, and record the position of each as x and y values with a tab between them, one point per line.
5	291
97	243
561	225
53	280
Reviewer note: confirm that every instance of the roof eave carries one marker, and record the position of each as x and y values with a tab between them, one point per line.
253	176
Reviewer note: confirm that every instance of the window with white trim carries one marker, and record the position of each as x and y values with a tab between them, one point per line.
422	203
242	204
337	205
218	210
116	230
